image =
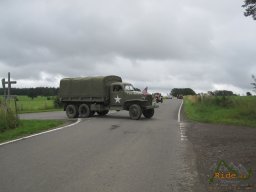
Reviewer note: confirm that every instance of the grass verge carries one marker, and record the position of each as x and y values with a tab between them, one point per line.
24	104
221	110
28	127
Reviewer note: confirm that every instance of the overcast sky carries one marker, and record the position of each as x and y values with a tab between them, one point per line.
162	44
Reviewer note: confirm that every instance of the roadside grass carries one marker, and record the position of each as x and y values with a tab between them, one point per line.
8	117
28	127
233	110
38	104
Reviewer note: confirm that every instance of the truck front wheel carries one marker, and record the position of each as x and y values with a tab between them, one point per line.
71	111
84	111
135	112
148	113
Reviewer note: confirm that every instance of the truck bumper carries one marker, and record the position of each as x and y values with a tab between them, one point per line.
154	105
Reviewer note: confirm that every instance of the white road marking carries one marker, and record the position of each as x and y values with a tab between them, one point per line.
179	111
182	126
37	134
183	136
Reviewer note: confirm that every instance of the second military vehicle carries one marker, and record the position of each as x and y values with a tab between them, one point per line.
158	97
86	95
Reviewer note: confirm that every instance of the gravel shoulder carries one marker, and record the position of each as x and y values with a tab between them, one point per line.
213	143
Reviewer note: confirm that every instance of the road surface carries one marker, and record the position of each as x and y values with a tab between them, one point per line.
109	154
44	115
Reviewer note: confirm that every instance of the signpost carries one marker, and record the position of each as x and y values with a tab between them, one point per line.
9	83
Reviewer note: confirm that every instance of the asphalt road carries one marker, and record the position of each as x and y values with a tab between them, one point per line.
44	115
110	154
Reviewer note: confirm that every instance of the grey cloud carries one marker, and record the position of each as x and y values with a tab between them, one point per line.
164	43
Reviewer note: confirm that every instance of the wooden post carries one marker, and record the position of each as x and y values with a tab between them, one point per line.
8	88
9	83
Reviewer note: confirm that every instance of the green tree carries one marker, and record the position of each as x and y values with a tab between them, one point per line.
223	93
32	93
248	93
182	91
250	8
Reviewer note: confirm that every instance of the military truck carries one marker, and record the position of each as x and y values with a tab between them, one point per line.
85	96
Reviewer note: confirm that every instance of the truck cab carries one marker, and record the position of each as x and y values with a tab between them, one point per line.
117	95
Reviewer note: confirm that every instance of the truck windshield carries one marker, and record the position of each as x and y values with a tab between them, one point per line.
128	88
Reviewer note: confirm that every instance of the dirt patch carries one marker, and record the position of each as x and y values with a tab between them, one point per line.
216	143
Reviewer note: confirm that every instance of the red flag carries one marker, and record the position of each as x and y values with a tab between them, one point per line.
145	91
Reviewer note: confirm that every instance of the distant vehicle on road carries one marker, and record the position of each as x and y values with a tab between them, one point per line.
86	95
179	96
158	97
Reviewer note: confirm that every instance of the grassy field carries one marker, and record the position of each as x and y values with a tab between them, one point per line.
11	127
233	110
38	104
28	127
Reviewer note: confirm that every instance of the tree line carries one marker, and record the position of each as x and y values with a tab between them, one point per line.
33	92
188	91
221	93
52	91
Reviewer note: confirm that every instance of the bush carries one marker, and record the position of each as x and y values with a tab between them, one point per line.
8	118
57	103
223	101
222	109
220	101
247	107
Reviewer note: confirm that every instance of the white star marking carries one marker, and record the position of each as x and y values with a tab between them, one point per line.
117	99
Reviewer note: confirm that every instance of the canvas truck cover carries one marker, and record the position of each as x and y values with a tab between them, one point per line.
86	87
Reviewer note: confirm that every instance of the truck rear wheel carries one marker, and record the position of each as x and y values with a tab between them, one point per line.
71	111
103	113
84	111
135	112
148	113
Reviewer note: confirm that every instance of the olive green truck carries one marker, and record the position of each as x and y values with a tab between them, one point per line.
85	96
